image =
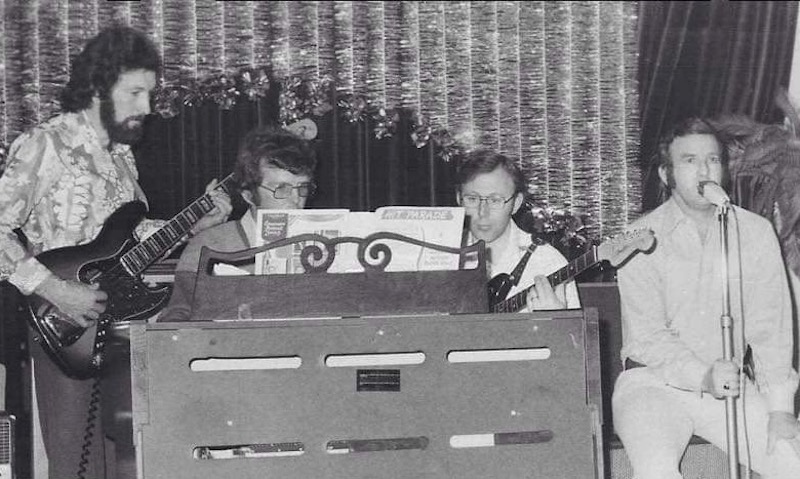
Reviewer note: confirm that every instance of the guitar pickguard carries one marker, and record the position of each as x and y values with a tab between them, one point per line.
131	299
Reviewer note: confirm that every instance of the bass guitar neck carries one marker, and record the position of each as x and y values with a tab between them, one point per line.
575	267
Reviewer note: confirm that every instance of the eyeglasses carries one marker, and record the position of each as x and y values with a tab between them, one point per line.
494	202
284	190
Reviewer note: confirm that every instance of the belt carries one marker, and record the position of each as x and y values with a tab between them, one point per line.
631	364
748	364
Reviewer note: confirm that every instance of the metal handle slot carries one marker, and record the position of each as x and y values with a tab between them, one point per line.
245	451
375	359
245	364
347	446
499	355
500	439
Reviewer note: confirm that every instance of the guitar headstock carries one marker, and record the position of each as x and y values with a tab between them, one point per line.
305	128
618	248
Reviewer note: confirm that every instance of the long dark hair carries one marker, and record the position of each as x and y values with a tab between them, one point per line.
96	69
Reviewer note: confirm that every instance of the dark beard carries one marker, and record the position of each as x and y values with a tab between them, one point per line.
119	132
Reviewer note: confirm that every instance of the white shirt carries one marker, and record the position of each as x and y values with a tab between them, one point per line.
672	302
506	251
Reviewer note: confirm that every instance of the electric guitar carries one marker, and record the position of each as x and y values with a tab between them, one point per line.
114	261
615	250
500	285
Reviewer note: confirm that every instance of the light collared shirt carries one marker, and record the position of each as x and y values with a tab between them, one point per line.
506	251
59	187
672	301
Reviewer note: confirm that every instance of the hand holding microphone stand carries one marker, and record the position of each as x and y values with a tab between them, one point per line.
717	196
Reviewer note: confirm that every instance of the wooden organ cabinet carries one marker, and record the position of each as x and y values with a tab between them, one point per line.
361	375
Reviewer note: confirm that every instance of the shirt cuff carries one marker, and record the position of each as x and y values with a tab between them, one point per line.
780	394
29	274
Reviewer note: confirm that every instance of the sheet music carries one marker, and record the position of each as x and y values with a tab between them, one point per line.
437	225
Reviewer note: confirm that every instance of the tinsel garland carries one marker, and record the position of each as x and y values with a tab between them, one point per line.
532	99
54	56
550	83
555	226
585	96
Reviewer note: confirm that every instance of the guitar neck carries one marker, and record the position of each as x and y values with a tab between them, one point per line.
572	269
149	250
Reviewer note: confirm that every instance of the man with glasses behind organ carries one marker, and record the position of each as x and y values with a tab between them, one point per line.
274	170
491	188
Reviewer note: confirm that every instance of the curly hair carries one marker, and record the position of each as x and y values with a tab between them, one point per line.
272	146
96	69
486	161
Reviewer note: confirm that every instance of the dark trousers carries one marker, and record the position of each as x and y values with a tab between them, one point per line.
63	409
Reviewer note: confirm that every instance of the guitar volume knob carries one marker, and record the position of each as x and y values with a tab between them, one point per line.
97	360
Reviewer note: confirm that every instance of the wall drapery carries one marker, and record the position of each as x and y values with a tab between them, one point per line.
550	83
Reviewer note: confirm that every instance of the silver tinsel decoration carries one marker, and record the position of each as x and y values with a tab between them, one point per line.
552	84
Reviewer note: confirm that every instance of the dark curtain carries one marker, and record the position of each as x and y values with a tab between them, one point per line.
355	170
707	59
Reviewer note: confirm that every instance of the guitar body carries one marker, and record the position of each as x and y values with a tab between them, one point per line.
76	350
499	286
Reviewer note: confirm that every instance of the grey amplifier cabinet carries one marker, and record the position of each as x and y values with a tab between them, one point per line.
446	396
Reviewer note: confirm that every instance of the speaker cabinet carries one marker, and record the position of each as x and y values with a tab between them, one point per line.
7	446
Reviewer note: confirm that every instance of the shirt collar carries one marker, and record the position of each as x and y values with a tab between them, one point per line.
248	224
513	235
82	119
673	216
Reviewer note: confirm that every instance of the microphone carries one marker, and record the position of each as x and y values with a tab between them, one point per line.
714	193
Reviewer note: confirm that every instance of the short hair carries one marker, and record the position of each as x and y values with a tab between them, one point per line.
688	126
272	146
685	127
96	69
483	161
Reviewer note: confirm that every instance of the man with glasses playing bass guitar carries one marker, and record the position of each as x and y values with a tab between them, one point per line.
491	188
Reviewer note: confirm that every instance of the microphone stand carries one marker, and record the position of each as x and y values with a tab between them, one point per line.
726	322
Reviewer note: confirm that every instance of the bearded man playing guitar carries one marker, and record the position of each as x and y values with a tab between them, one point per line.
491	188
63	180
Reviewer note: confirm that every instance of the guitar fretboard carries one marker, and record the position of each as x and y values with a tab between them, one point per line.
149	250
572	269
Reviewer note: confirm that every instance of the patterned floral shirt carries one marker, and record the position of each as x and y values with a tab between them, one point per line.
59	186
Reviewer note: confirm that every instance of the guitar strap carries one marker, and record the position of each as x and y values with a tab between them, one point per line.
516	274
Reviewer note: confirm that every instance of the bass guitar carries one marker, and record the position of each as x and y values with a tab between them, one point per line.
114	261
615	250
500	285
